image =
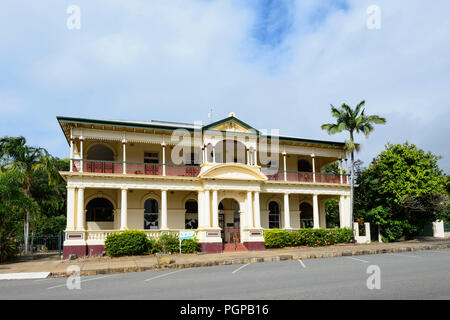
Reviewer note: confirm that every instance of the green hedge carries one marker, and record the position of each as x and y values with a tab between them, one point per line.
306	237
135	242
128	243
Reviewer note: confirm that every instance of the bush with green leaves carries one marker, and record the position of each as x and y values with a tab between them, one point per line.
190	246
127	243
168	243
9	248
306	237
276	238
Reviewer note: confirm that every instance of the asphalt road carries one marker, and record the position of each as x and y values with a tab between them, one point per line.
412	275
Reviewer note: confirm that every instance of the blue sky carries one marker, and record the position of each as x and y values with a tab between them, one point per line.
276	64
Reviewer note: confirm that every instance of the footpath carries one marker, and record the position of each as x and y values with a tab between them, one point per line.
50	266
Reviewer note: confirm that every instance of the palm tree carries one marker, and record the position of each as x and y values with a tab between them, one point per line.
353	121
15	154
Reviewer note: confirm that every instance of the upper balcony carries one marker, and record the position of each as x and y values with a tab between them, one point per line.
148	149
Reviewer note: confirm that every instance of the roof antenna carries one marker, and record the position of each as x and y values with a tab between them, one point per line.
210	115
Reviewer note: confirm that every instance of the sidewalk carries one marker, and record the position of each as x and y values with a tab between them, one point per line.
107	265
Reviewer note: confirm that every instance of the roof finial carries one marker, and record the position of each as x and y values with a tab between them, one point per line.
210	115
232	114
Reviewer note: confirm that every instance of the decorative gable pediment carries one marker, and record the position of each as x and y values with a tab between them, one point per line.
231	126
233	171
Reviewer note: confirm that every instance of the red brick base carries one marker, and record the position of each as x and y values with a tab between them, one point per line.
83	250
211	247
80	251
254	246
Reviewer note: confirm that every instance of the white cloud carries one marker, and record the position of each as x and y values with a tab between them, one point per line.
174	60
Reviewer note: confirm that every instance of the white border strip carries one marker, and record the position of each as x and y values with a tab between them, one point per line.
24	275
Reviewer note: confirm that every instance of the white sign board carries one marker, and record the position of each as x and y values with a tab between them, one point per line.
186	234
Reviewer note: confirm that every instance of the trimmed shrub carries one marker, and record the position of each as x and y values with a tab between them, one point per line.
306	237
276	238
190	246
129	242
168	243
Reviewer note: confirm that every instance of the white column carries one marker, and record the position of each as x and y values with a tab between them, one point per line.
316	211
124	210
71	154
201	211
256	210
255	158
163	210
80	215
81	155
207	209
249	210
248	156
203	155
70	209
124	157
340	169
214	154
322	214
163	145
313	167
284	166
215	209
346	170
287	214
341	212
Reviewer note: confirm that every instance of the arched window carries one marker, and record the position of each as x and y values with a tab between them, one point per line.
304	166
151	217
191	217
100	210
306	215
274	215
100	152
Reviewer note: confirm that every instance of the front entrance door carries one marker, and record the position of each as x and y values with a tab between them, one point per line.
222	225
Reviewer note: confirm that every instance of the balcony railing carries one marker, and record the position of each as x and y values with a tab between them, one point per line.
298	176
150	169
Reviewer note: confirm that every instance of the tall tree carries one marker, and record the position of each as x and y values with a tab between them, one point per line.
16	154
354	121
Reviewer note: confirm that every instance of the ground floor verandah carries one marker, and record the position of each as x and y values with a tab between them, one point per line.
218	216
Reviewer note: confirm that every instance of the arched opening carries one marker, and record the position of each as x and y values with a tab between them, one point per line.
230	151
100	152
306	215
191	215
274	215
100	210
151	216
230	220
100	159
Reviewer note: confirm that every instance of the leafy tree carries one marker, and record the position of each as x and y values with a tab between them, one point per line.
12	202
16	155
354	121
402	191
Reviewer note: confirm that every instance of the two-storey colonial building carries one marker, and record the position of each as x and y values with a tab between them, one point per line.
226	180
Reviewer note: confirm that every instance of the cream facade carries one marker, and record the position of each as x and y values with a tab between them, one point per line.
226	180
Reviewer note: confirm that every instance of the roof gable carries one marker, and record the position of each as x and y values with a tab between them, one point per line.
231	124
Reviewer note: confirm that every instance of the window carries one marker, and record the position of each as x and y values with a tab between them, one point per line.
100	210
151	157
191	218
306	215
274	215
151	218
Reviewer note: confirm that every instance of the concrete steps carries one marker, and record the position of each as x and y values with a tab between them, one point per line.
231	247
